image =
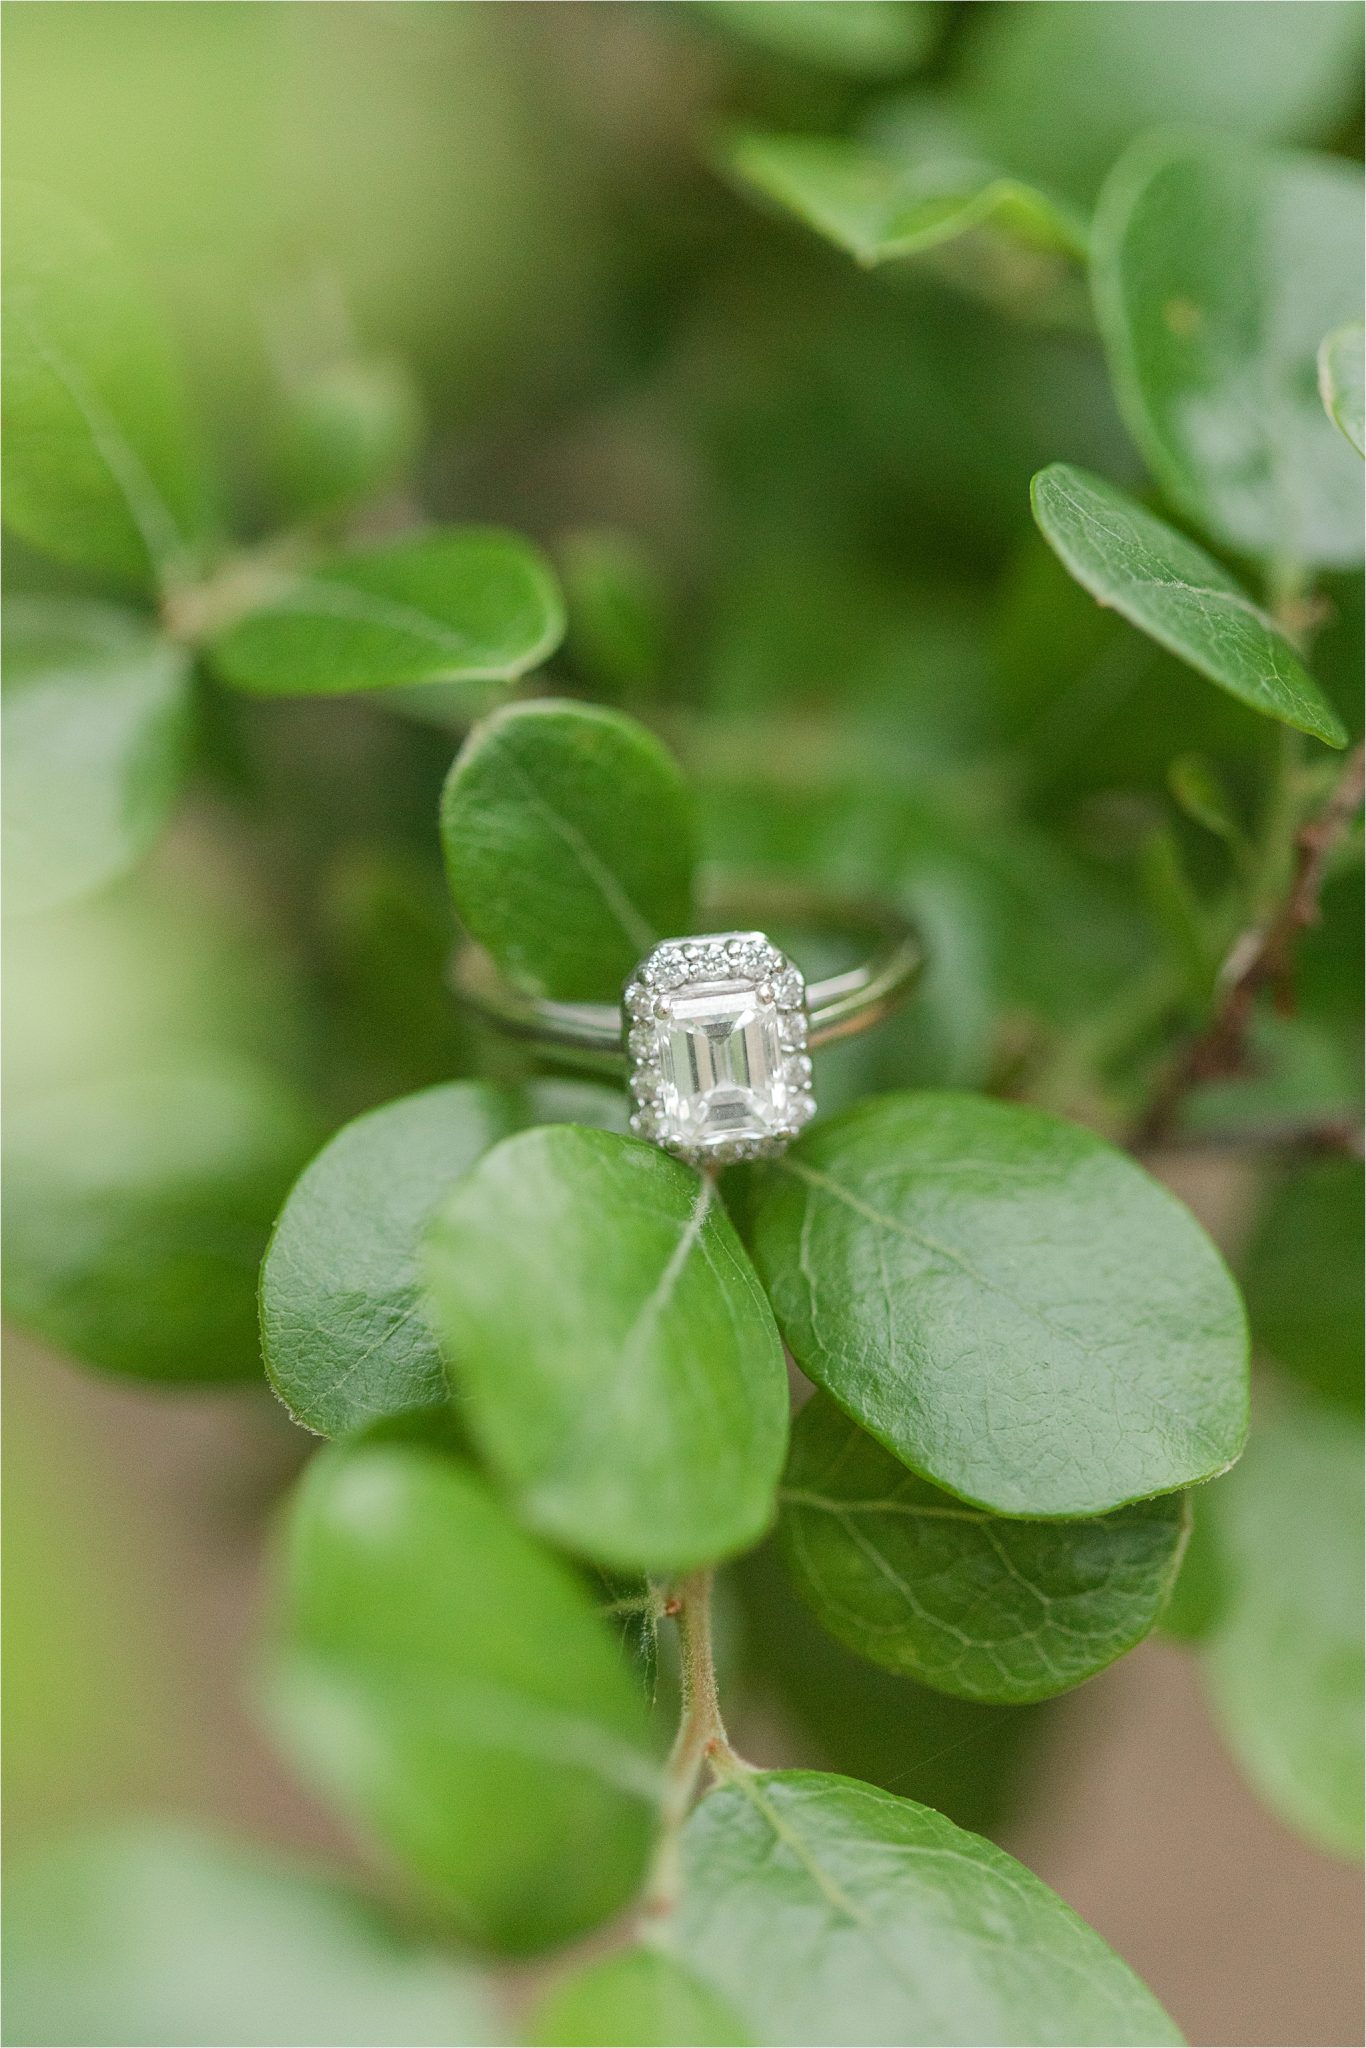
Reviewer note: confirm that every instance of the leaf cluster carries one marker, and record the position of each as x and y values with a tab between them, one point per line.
557	1367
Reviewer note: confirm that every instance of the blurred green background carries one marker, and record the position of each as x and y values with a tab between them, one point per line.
789	501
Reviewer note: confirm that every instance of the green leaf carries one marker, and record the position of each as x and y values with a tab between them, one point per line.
877	208
1342	381
447	1684
639	1998
139	1205
1217	270
100	465
1015	1309
343	1324
96	725
852	38
569	836
829	1912
991	1609
1178	595
461	605
160	1935
837	1712
1284	1666
1059	89
611	1348
344	434
1303	1281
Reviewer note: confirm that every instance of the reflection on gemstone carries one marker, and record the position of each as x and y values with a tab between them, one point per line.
722	1064
715	1035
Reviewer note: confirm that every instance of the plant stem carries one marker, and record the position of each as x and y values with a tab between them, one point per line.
1262	956
701	1737
246	580
1273	859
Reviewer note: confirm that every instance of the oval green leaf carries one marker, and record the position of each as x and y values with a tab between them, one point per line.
827	1912
569	840
464	605
972	1603
447	1684
96	732
139	1206
611	1349
159	1934
1342	381
1217	271
1137	565
877	209
342	1323
100	464
640	1998
344	1327
972	1762
1283	1666
1014	1308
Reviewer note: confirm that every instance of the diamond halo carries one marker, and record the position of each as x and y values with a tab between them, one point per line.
715	1032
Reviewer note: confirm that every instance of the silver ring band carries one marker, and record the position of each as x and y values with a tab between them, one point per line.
592	1034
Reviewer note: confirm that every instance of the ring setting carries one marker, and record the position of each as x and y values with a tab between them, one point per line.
715	1033
716	1039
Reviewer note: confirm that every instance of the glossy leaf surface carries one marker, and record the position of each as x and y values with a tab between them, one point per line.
611	1349
878	209
460	605
1217	273
829	1912
1179	596
639	1998
447	1684
96	726
343	1325
569	841
138	1209
1015	1309
987	1607
100	464
162	1936
1284	1665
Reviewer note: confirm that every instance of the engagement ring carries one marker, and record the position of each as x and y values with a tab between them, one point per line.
716	1030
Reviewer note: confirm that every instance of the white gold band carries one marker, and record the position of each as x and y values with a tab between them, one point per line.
836	1007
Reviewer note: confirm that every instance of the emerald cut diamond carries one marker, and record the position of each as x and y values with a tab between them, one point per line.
716	1037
